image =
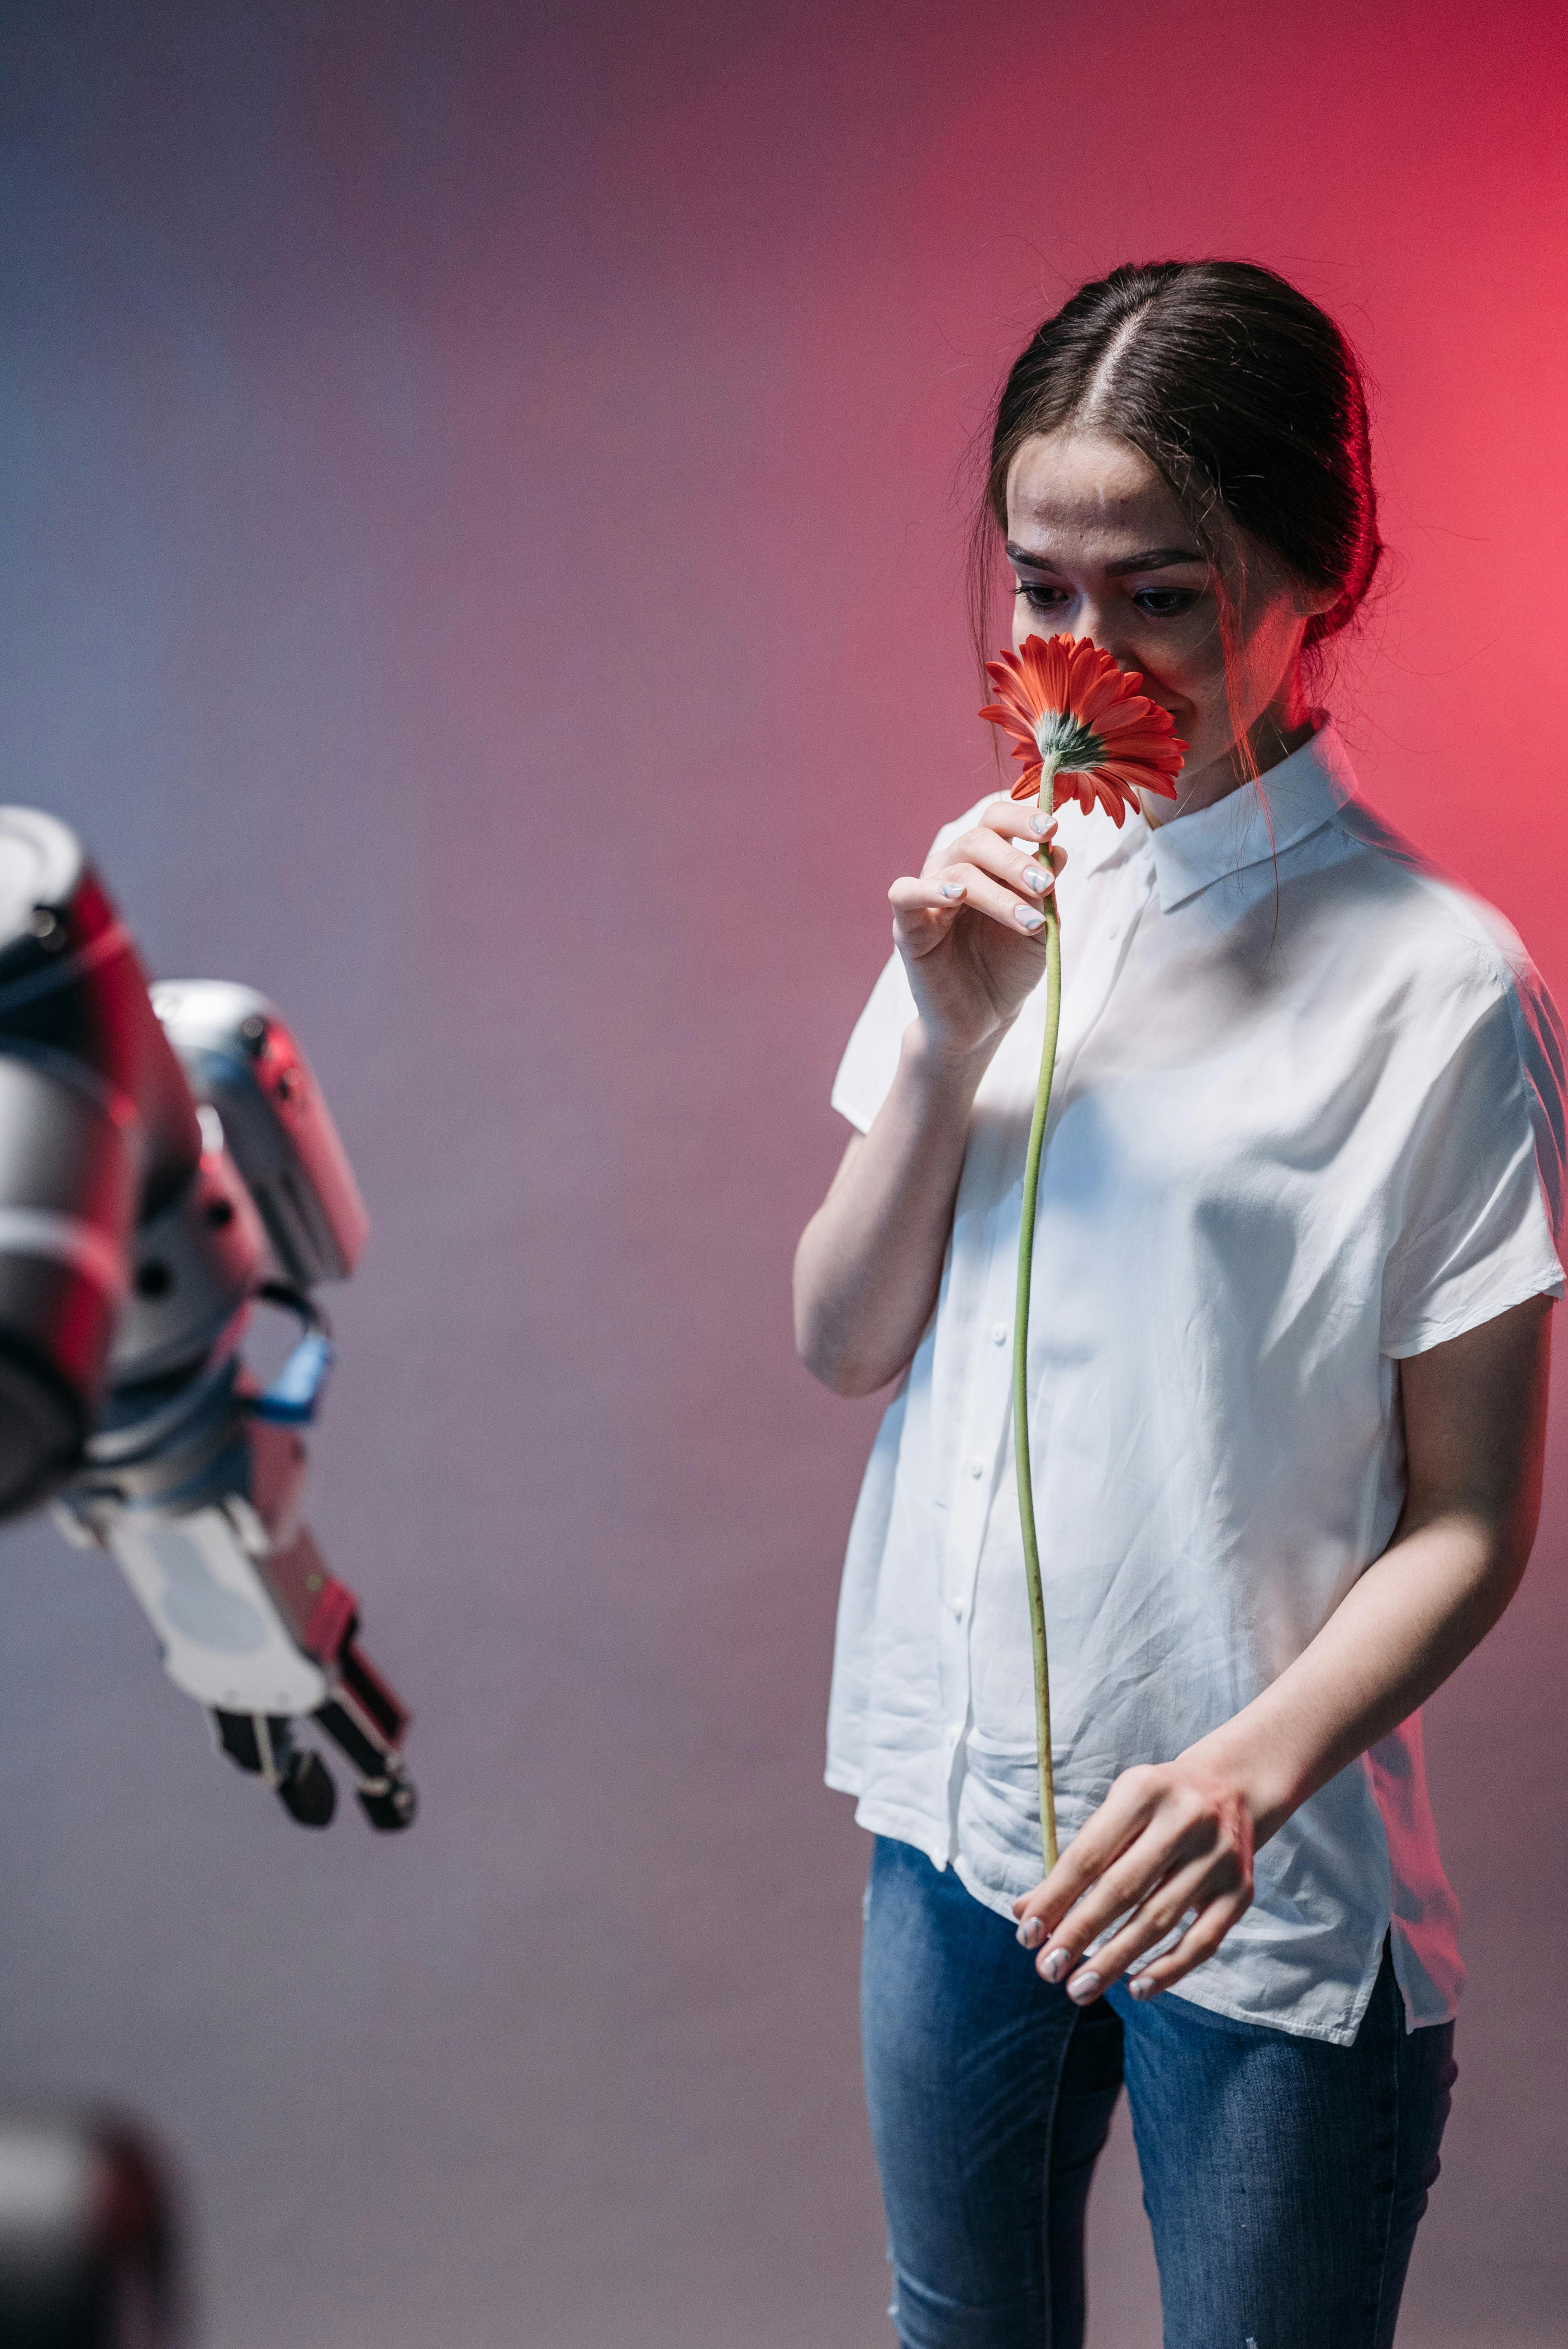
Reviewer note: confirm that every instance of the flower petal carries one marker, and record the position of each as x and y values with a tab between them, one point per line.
1009	722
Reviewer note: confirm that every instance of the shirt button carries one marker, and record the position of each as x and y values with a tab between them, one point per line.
998	1333
959	1611
977	1467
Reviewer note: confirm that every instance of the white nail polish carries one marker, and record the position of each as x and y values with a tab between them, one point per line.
1031	1932
1026	917
1083	1987
1054	1967
952	889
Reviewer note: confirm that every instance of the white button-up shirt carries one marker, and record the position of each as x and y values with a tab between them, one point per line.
1308	1119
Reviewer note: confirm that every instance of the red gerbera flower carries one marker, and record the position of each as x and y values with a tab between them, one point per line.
1078	716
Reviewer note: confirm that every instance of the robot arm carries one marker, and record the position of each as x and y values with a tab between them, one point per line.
165	1166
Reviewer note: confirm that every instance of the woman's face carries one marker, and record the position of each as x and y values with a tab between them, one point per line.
1101	548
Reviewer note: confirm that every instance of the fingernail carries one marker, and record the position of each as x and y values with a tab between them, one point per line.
1041	824
1036	877
1083	1987
1141	1986
952	889
1026	917
1054	1964
1031	1932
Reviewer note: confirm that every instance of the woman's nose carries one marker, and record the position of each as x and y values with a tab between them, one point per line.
1099	625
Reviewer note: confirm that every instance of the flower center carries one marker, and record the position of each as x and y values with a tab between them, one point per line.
1066	740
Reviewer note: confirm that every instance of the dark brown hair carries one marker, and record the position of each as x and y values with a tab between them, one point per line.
1242	394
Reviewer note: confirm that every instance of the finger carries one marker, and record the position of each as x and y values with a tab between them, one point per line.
1120	1819
1012	865
937	893
1185	1889
924	911
1019	820
994	899
1198	1943
1117	1897
1121	1891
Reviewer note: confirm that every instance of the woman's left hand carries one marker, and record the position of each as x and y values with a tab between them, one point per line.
1170	1838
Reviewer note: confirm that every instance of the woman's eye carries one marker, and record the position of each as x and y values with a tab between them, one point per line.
1165	603
1040	596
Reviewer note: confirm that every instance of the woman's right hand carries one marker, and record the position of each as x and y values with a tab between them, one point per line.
870	1260
971	929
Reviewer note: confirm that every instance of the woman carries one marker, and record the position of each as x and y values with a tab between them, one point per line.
1287	1377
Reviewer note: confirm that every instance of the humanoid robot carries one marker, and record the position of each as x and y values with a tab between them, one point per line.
167	1166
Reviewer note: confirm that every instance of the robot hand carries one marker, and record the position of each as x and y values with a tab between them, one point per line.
159	1176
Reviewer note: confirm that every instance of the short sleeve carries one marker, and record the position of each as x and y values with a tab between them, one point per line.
871	1058
1479	1205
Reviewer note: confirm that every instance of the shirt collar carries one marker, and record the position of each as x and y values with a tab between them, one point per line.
1259	821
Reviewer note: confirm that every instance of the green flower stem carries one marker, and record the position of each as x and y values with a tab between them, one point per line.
1021	1345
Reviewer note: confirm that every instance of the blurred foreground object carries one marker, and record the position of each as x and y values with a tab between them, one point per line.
88	2245
166	1164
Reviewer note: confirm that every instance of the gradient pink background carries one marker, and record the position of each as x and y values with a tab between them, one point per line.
481	560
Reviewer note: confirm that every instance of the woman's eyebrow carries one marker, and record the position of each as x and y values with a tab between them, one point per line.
1157	558
1153	558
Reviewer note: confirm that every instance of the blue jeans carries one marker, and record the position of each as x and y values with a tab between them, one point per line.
1283	2177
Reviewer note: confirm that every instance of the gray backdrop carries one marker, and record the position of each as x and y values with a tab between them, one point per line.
478	556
